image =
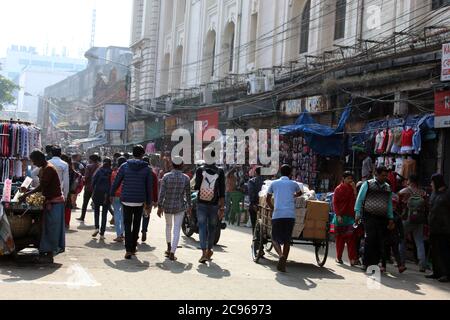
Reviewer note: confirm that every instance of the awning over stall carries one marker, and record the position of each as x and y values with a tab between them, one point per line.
323	140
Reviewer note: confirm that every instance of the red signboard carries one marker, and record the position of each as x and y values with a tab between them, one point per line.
442	109
209	118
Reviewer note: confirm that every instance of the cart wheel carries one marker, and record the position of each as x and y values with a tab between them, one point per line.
268	246
321	249
186	226
257	243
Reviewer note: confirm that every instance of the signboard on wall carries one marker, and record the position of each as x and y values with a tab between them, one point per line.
115	117
445	70
442	109
136	131
209	118
310	104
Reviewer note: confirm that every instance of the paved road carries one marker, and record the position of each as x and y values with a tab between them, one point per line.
92	269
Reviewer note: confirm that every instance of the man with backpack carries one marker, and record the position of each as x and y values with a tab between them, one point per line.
413	210
210	182
374	206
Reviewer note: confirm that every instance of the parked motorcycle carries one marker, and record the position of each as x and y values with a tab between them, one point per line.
190	223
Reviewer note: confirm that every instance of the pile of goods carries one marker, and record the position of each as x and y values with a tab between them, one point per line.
36	200
311	216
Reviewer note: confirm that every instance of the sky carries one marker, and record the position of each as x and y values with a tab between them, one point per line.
64	23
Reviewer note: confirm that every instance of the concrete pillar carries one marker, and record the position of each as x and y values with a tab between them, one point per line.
401	106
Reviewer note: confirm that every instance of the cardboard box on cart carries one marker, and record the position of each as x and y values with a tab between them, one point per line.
317	217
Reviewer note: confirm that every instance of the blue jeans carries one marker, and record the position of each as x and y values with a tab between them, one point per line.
417	232
207	216
118	216
104	209
145	222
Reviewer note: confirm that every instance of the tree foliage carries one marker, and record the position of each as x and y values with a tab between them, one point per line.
7	88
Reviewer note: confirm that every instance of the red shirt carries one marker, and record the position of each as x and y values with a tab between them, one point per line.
113	177
344	200
407	138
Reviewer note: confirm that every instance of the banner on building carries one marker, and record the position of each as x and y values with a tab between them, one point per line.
445	71
170	125
115	117
136	131
93	128
154	129
442	109
209	118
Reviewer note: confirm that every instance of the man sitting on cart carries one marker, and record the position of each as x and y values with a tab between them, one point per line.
284	191
53	232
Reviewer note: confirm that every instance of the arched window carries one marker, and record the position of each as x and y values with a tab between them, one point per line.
304	27
339	25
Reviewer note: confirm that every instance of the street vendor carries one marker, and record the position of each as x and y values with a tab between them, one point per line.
52	233
284	190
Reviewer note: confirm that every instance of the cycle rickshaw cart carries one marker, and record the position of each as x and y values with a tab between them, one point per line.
317	237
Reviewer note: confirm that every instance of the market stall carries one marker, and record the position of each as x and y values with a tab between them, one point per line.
314	151
19	222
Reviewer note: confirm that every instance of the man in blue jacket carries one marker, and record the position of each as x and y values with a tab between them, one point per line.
136	179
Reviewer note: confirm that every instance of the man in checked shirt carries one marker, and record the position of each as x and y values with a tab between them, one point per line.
174	200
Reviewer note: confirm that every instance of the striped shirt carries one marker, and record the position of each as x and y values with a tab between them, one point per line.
175	193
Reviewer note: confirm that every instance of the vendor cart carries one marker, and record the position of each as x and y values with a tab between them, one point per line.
262	238
25	223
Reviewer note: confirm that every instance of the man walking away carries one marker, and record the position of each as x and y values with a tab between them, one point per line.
136	179
53	232
94	164
374	204
117	205
62	168
414	207
284	191
210	182
344	207
154	187
101	186
174	200
254	187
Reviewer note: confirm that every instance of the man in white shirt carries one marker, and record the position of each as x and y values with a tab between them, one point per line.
62	168
367	167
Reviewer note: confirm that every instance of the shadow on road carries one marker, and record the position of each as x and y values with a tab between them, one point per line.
191	243
23	268
300	275
102	244
174	266
83	226
143	247
133	265
213	270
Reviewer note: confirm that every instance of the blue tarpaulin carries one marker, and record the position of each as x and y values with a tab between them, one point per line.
321	139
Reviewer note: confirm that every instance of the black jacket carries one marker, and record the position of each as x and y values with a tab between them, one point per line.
439	217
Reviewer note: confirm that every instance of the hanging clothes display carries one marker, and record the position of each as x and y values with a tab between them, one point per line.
296	153
17	140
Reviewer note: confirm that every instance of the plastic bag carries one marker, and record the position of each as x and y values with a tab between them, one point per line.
6	239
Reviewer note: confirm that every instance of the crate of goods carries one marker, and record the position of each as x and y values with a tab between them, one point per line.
317	216
263	201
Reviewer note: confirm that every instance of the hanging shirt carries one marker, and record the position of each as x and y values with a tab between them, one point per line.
397	140
390	141
407	141
379	142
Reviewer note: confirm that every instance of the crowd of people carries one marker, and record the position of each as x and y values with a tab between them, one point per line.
370	219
